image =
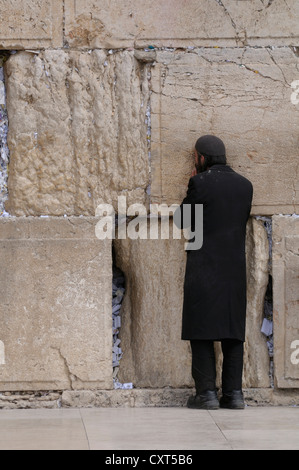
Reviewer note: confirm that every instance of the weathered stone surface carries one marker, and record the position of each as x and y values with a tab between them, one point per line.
26	400
177	23
243	95
31	24
55	311
137	398
167	397
256	357
286	301
80	119
256	373
119	23
77	133
154	355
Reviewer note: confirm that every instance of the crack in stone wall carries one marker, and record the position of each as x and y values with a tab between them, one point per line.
118	292
4	150
267	326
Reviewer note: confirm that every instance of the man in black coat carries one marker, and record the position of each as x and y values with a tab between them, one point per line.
215	281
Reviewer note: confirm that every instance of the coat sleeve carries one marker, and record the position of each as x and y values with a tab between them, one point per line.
191	192
190	199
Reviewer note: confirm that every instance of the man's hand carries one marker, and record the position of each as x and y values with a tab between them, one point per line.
194	172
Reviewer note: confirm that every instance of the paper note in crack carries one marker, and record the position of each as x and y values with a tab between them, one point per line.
267	327
2	93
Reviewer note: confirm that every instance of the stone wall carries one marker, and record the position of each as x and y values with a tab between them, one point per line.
55	322
86	126
106	99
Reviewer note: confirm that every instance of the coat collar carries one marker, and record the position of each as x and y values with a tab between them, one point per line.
221	168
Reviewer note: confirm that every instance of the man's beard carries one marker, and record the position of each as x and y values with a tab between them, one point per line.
201	167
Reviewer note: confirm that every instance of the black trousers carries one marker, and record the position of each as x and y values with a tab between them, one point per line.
204	365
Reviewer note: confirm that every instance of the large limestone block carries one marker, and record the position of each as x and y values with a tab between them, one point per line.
55	309
244	97
286	300
77	131
31	24
177	23
153	353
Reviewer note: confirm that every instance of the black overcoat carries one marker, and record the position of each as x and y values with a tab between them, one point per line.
215	280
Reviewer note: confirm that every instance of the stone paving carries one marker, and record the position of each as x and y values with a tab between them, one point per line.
171	429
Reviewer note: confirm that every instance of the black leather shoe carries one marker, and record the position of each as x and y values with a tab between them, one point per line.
204	401
233	400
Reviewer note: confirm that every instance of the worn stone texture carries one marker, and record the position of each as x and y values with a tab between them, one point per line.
31	24
27	400
256	355
286	301
127	23
153	354
77	131
136	398
177	23
167	397
81	119
256	373
55	310
243	95
79	135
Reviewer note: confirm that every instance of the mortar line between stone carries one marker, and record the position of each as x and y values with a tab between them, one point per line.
181	48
